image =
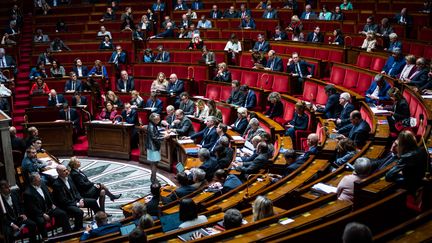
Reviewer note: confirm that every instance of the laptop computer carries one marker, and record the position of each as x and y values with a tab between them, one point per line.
170	222
125	230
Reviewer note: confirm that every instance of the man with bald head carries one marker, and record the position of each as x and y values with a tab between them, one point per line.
55	99
175	88
126	83
312	142
67	197
17	142
182	125
274	63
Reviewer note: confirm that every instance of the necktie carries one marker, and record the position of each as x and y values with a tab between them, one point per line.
67	115
3	63
260	45
314	38
73	85
243	15
158	7
153	104
299	70
116	59
214	15
162	56
272	64
268	15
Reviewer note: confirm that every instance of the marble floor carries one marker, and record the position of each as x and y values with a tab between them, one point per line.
132	181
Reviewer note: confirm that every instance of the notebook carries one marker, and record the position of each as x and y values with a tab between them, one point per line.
187	236
170	222
125	230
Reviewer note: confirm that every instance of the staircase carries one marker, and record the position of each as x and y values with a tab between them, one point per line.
22	83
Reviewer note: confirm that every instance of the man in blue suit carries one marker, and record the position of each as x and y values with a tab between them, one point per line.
162	56
394	64
312	142
244	11
73	84
175	86
261	45
251	99
55	99
308	14
215	13
274	63
158	6
358	130
126	83
129	115
209	164
248	23
270	13
118	56
197	5
316	36
154	103
180	5
420	77
347	108
332	108
378	90
209	134
103	227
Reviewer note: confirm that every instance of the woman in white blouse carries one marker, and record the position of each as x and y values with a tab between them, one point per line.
370	42
233	47
409	68
202	110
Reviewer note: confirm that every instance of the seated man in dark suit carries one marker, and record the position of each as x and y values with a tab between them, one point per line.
32	133
344	117
358	130
73	84
162	55
154	103
221	130
208	135
198	179
260	162
129	115
55	99
248	23
280	34
125	83
17	142
103	227
169	118
270	13
66	197
118	56
300	69
180	5
237	97
186	105
332	108
15	217
79	100
222	157
312	142
316	36
40	207
274	63
70	114
261	45
225	182
250	97
175	86
182	125
31	164
168	33
215	13
230	13
158	6
209	164
392	156
308	13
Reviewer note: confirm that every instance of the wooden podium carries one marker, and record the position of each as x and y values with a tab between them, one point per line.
168	150
109	140
57	137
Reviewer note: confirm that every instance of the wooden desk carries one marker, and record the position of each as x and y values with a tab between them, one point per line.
168	149
56	136
109	140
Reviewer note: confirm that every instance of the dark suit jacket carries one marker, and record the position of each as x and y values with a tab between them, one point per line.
251	100
208	138
360	133
81	181
176	88
259	46
277	64
408	19
129	86
121	59
218	14
421	78
251	24
241	126
12	213
184	128
78	85
282	35
382	94
83	101
64	197
254	166
166	34
275	110
188	108
84	71
102	230
300	122
165	55
197	5
18	144
161	7
35	205
74	118
181	6
59	99
209	166
304	67
345	115
131	118
319	38
312	15
401	110
158	105
224	77
273	14
236	98
332	108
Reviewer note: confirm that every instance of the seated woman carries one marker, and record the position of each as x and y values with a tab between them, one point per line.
338	38
153	201
378	90
369	42
276	108
297	35
196	43
346	149
295	24
324	14
345	188
400	112
112	97
136	100
262	208
241	123
39	70
57	70
145	24
98	70
223	74
86	188
39	87
300	120
148	55
108	113
159	84
411	167
202	110
258	59
233	48
106	44
213	110
189	214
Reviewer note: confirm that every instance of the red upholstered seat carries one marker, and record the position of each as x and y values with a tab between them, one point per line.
377	64
260	100
363	83
265	127
281	84
266	81
309	91
363	61
225	92
250	77
236	75
196	125
288	112
213	92
182	57
336	56
416	49
337	75
321	95
246	61
307	52
322	54
228	114
367	116
350	81
212	34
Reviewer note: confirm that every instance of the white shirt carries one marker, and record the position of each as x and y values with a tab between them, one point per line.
406	71
376	91
79	69
104	34
236	47
39	190
4	92
66	182
8	199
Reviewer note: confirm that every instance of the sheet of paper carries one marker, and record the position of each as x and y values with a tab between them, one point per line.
185	141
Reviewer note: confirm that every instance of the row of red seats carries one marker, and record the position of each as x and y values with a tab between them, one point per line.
351	77
328	53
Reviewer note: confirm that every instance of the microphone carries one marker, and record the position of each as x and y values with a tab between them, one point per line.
88	114
421	117
246	196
